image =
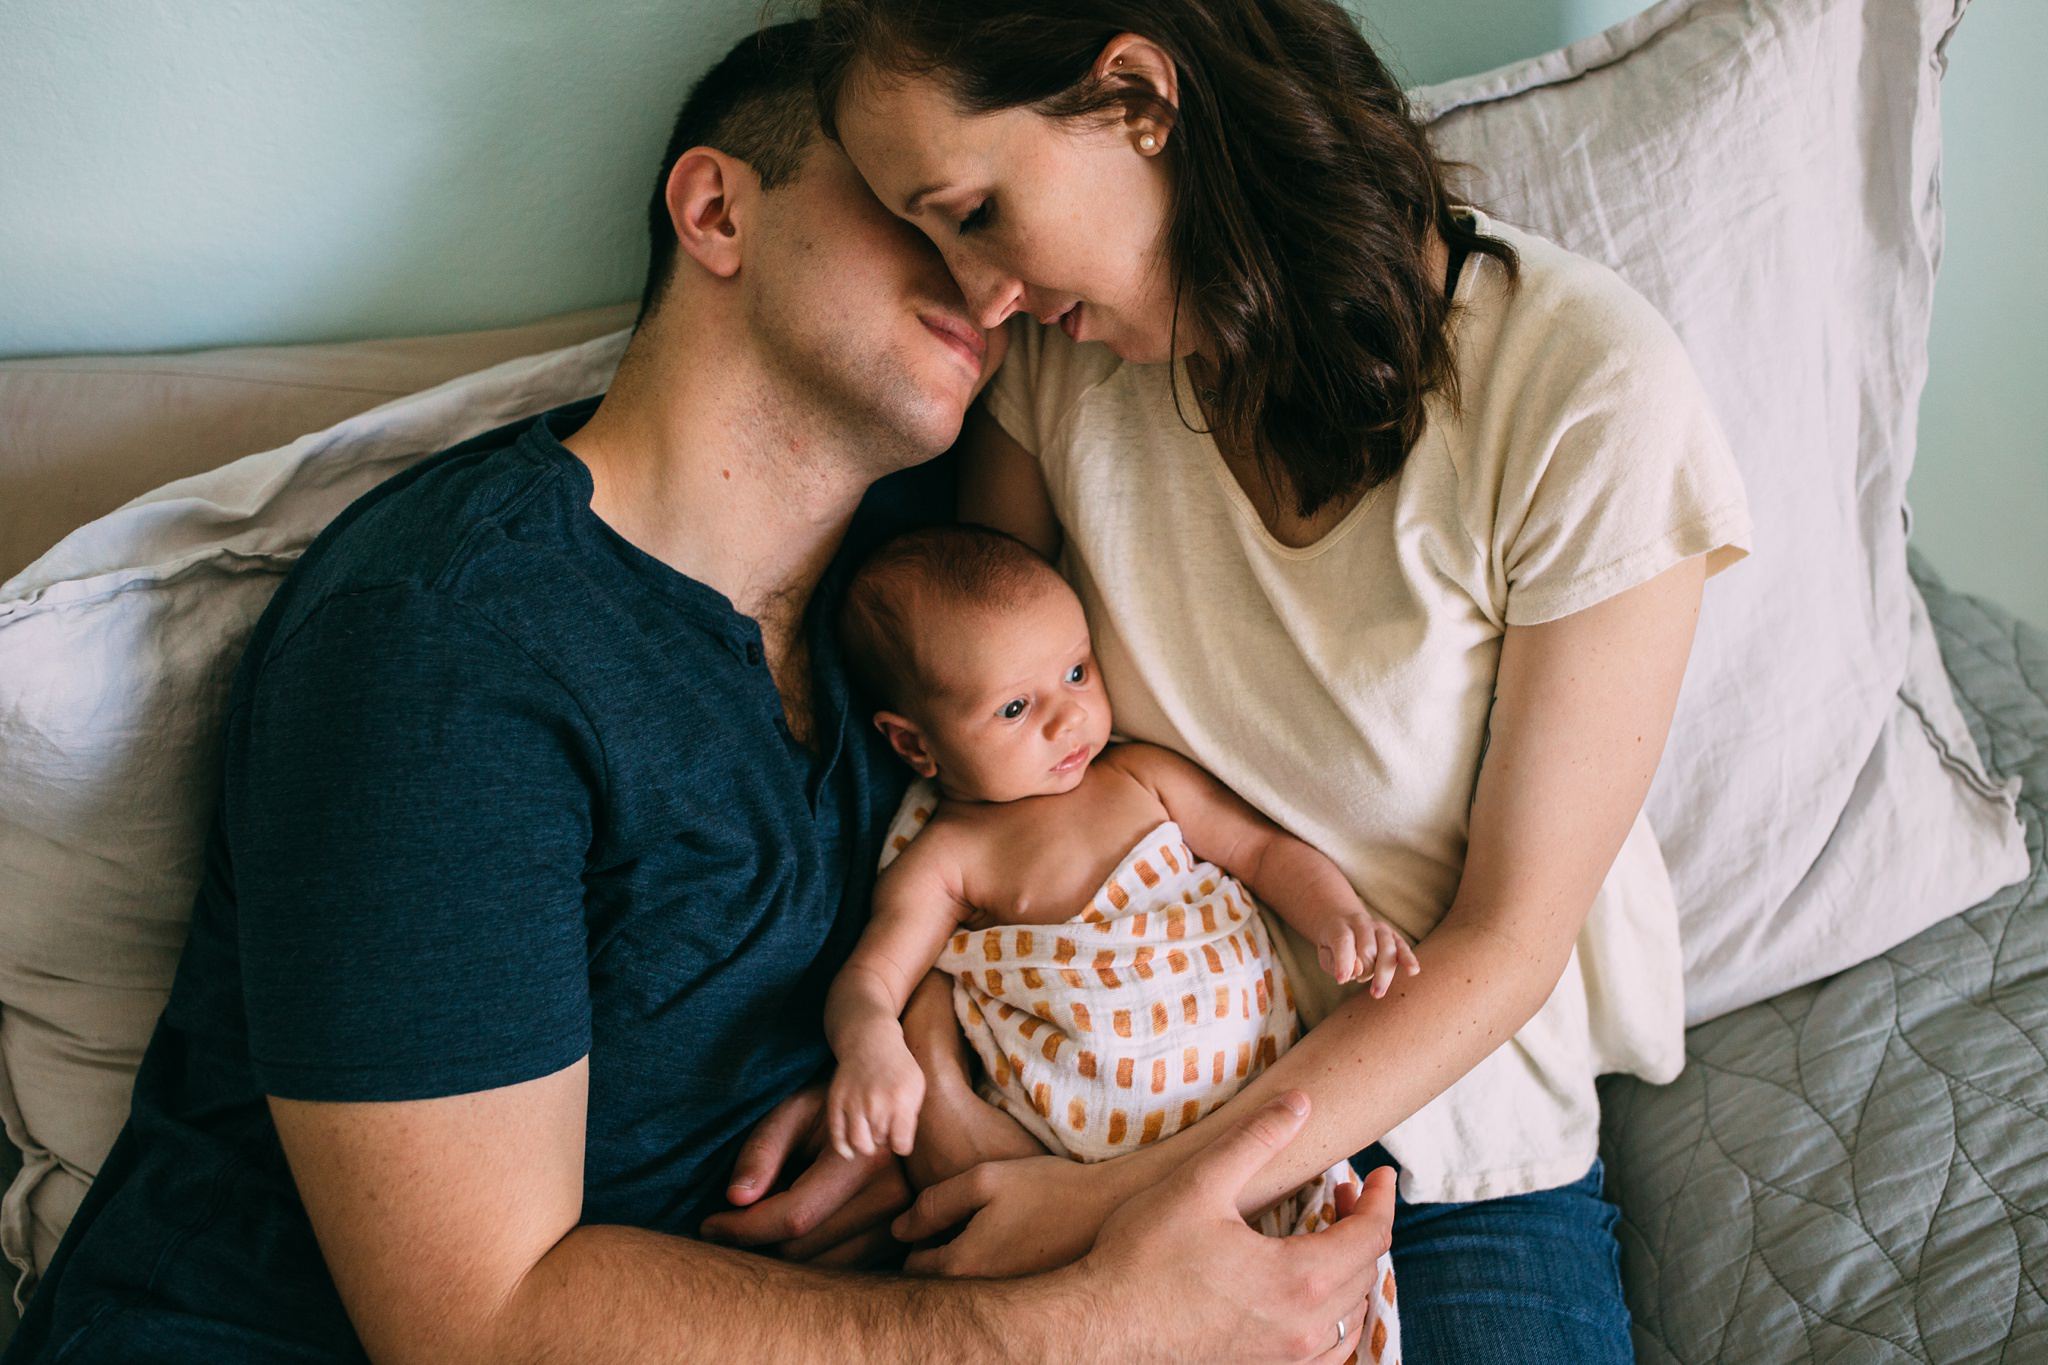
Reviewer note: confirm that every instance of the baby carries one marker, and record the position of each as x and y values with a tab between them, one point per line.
1088	898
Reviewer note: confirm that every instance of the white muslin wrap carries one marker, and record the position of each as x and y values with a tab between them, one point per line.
1145	1011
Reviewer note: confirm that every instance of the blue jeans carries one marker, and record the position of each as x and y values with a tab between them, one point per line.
1533	1279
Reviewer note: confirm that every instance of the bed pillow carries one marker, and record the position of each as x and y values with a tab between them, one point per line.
116	650
1768	175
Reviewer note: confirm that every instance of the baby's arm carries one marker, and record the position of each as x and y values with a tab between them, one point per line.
877	1089
1295	881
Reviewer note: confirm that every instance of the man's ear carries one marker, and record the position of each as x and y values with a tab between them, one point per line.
908	742
707	191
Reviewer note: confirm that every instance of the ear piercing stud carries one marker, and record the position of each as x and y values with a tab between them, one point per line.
1148	143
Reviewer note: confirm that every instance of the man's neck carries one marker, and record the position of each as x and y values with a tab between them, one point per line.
708	469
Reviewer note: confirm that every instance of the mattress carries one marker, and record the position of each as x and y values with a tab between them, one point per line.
1858	1170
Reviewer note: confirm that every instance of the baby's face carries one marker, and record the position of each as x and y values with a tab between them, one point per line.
1019	710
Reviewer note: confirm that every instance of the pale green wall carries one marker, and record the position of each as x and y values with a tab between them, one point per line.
178	173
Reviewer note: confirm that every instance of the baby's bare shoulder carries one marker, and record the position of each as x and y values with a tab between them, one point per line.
945	845
1147	764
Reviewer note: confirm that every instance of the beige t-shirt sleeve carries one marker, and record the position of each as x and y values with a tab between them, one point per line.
1041	382
1614	467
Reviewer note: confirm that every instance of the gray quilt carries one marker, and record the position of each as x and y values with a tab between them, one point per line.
1858	1170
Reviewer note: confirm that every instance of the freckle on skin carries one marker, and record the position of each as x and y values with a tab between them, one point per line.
725	473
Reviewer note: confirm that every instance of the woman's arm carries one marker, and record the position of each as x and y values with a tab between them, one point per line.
1002	486
1581	710
1582	707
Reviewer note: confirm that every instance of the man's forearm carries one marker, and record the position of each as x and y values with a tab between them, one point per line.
627	1294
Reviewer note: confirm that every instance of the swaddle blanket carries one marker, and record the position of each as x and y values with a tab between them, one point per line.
1145	1011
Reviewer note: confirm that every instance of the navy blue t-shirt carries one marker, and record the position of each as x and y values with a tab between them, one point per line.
501	791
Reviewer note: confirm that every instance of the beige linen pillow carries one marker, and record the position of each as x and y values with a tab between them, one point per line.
116	650
1768	175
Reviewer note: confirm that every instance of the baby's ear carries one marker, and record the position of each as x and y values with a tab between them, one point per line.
908	742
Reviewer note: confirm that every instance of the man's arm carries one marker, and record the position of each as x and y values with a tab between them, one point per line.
450	1228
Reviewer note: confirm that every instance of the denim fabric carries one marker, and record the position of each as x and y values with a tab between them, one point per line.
1532	1279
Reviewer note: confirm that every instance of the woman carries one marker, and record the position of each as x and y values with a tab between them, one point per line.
1394	517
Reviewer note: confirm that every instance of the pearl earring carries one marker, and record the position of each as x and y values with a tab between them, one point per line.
1148	143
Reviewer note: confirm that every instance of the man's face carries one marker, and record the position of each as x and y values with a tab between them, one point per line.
855	307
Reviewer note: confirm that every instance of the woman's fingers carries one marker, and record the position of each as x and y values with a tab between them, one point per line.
871	1208
874	1249
945	1205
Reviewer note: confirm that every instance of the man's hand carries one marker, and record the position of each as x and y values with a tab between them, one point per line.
1202	1285
836	1213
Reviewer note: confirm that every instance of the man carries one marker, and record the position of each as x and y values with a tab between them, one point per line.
544	825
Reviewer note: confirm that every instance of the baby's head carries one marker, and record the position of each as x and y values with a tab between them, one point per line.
977	653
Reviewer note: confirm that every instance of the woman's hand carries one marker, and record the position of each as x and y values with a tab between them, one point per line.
1030	1214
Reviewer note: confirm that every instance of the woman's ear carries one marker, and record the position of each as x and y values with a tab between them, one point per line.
703	192
908	742
1131	60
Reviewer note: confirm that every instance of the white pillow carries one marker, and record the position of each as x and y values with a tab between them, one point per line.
116	650
1768	175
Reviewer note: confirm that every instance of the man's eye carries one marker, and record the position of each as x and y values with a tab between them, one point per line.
1013	710
975	220
1078	674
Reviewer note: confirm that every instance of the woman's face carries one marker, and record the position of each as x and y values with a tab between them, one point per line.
1062	219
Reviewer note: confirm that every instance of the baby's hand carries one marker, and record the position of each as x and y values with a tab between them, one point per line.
1354	945
874	1099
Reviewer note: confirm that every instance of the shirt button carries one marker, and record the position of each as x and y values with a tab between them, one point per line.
753	652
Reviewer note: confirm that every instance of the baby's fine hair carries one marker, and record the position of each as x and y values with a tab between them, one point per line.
935	567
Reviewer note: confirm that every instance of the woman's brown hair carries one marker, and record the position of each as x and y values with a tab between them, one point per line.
1303	187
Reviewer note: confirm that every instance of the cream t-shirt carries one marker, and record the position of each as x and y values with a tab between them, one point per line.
1345	688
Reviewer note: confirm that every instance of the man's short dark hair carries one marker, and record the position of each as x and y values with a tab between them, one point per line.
951	564
756	105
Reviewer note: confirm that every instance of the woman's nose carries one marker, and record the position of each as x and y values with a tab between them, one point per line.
991	296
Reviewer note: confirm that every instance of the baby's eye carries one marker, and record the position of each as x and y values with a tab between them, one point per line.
1012	710
1078	674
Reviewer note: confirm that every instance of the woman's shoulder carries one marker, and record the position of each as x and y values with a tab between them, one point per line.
1567	336
1564	311
1043	378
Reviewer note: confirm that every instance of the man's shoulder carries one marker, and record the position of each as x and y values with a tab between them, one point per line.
467	528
